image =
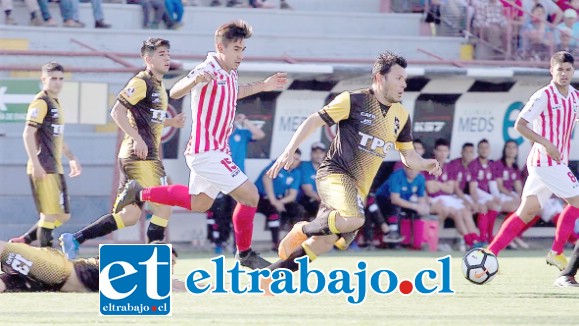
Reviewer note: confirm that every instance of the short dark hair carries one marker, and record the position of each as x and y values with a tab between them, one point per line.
233	31
298	151
163	242
151	45
385	61
483	141
417	141
465	145
52	66
441	142
562	57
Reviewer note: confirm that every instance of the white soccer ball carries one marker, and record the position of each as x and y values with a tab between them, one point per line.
479	266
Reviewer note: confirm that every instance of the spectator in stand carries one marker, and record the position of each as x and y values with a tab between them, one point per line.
552	12
277	198
536	36
514	13
432	10
453	17
566	41
174	9
46	16
33	9
569	22
490	24
97	12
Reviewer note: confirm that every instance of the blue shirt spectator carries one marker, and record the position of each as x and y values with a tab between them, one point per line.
238	145
398	183
285	181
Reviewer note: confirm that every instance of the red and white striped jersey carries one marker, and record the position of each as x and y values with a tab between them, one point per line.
212	107
553	116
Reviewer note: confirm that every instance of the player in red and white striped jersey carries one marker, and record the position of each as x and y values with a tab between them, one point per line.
552	110
214	92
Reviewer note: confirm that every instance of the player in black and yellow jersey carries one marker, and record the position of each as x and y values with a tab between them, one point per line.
44	143
371	122
32	269
141	112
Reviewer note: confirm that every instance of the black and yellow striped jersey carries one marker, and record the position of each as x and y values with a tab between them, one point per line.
366	131
146	99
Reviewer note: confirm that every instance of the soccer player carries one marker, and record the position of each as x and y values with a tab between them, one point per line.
219	215
44	143
214	93
371	122
418	147
487	206
141	112
552	110
31	269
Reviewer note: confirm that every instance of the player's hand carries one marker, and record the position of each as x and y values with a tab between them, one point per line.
38	172
177	121
482	209
140	148
276	81
553	152
203	77
423	209
74	168
433	167
285	161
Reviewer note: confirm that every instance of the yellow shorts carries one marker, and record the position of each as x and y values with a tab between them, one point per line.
148	173
50	194
339	192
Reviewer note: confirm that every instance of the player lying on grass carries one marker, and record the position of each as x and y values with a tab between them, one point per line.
32	269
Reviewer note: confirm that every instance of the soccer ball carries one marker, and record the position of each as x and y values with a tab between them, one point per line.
479	266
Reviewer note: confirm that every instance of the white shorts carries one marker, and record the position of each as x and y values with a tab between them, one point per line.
544	181
507	198
449	201
483	197
213	172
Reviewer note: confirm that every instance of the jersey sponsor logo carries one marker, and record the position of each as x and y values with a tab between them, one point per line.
135	280
158	116
57	130
54	113
374	143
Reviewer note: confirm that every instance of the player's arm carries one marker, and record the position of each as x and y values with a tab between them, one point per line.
274	82
291	196
501	187
521	127
256	132
37	111
268	187
193	78
119	114
177	121
75	168
178	286
432	186
518	187
447	187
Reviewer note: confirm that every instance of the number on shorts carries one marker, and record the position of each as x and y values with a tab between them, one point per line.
572	177
230	166
21	264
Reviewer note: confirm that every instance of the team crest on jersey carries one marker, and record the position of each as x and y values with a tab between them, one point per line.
506	175
396	126
129	91
33	113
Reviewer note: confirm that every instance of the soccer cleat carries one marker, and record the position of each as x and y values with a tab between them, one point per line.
128	196
17	240
393	237
566	281
345	240
253	260
559	261
292	241
69	245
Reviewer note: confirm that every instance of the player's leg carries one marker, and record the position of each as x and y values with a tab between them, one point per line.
567	276
312	247
565	227
52	202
